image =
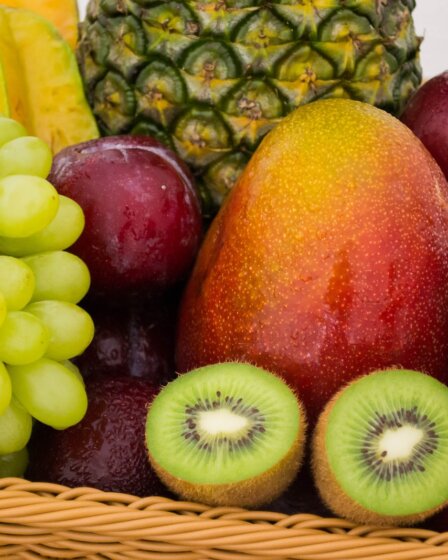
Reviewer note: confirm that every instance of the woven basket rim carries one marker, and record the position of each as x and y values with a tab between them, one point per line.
43	520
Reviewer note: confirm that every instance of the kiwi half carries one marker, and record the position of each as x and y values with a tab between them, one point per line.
380	449
228	434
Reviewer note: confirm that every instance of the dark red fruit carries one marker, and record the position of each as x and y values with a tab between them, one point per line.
301	497
131	340
427	116
438	522
143	221
106	450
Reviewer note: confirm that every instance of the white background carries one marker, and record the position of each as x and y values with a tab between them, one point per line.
431	20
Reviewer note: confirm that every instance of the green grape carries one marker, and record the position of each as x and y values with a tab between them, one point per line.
24	338
3	308
15	428
16	282
25	156
5	389
75	369
71	328
60	234
51	392
59	275
27	205
14	464
10	130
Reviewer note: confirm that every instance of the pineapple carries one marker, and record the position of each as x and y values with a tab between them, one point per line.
211	77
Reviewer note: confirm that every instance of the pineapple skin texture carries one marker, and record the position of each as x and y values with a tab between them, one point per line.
210	78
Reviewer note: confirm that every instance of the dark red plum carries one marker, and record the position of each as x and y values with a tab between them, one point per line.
143	219
301	497
132	340
439	522
106	450
427	116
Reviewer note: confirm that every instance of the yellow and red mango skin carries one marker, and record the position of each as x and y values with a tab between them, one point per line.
330	258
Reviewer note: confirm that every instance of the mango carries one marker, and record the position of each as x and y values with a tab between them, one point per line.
40	76
329	259
62	13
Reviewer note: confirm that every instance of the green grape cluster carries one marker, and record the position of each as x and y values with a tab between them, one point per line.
41	325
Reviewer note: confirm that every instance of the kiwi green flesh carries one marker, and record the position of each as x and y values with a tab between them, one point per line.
222	424
386	443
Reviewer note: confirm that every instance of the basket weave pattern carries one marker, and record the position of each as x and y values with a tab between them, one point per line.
40	520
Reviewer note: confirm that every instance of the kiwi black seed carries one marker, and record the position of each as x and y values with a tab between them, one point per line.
380	449
227	434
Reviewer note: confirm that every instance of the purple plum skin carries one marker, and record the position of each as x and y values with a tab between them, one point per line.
143	218
106	450
427	116
134	340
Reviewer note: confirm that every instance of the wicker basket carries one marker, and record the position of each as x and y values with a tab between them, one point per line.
39	520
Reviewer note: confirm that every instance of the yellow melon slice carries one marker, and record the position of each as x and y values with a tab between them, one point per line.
13	79
44	87
4	105
62	13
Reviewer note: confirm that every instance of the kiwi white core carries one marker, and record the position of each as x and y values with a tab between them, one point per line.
399	443
222	421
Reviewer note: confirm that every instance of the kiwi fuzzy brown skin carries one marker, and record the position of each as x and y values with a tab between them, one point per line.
251	493
332	494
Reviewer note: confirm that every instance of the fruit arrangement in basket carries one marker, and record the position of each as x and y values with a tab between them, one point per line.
242	285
